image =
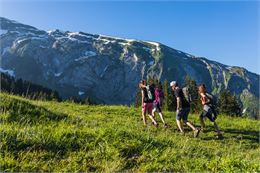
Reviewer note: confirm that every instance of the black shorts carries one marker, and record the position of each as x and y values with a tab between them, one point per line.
183	114
157	107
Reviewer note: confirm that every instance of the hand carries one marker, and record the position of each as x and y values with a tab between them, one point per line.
179	109
141	86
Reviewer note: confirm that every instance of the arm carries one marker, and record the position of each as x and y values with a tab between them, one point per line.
204	99
142	92
142	86
179	103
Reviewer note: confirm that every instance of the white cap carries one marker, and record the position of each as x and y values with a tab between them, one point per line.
173	83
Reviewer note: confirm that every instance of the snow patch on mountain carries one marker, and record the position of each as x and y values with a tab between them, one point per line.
38	38
188	55
147	49
155	44
205	62
106	41
151	63
228	67
125	44
86	55
71	34
81	93
90	53
19	41
117	38
50	32
135	58
2	31
104	71
57	74
10	72
6	49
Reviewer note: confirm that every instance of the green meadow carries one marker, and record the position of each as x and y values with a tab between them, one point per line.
68	137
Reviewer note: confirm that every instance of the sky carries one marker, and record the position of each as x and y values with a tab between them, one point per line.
223	31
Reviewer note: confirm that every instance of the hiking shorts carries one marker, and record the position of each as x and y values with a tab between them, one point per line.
182	114
147	107
209	113
157	107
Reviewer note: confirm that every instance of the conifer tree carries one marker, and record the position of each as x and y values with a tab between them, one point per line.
228	104
166	95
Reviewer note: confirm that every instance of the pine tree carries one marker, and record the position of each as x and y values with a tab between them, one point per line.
195	105
172	101
138	98
228	104
166	95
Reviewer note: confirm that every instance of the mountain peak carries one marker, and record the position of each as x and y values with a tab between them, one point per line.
12	25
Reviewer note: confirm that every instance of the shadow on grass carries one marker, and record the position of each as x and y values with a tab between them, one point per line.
24	112
249	135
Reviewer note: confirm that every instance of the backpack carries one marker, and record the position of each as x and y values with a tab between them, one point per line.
212	100
212	104
150	92
159	95
187	94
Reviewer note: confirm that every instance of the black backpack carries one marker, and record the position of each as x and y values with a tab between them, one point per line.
212	100
212	104
149	94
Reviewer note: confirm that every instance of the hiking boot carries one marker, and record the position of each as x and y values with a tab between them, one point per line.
165	125
183	133
219	136
196	133
155	125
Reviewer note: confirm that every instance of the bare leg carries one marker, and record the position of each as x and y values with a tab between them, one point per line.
161	116
190	125
202	124
180	125
217	128
144	118
153	120
153	113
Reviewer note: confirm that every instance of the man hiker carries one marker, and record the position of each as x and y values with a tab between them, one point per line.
183	109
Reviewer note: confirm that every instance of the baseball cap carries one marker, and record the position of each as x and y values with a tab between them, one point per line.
173	83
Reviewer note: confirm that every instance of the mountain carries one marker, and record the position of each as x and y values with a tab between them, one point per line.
108	69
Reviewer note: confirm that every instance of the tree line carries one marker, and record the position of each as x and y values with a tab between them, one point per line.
226	102
27	89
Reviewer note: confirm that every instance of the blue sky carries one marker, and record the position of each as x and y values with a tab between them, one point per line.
223	31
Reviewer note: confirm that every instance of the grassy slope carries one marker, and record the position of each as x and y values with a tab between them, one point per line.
50	136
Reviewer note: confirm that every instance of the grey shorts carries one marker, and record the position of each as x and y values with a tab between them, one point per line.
182	114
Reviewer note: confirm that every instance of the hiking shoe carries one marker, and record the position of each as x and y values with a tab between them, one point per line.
165	125
196	133
219	136
155	125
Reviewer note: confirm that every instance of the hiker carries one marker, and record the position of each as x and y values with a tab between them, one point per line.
147	101
208	110
159	97
183	109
